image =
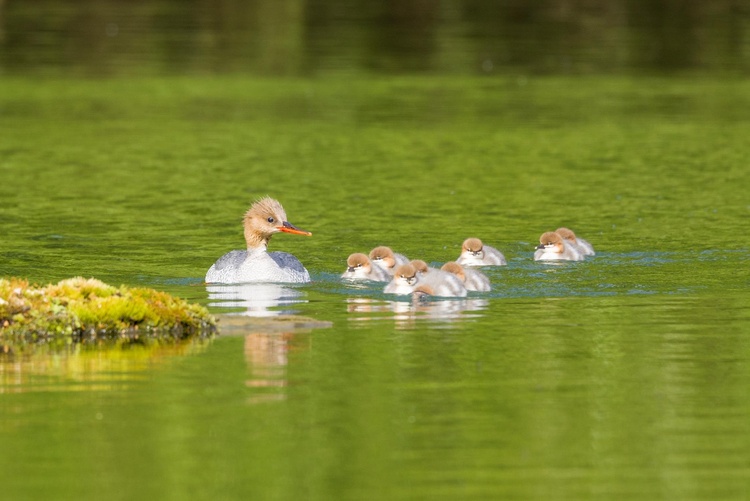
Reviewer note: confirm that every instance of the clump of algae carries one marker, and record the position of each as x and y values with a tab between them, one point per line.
87	308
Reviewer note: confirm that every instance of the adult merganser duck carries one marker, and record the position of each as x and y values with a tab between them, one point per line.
474	253
359	267
387	259
580	244
264	218
552	247
473	280
440	282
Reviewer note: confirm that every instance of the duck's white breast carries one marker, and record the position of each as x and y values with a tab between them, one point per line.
241	267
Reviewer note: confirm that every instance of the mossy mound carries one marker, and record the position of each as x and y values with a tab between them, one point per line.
86	308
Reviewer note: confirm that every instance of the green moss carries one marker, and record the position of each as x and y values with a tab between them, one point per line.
80	308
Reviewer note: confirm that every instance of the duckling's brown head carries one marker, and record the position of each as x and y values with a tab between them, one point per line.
473	245
420	266
456	269
358	261
550	239
385	255
422	292
406	273
424	289
566	233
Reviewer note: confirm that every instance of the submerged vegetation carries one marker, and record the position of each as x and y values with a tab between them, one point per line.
79	309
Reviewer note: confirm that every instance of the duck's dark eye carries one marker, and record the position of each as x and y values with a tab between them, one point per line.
270	220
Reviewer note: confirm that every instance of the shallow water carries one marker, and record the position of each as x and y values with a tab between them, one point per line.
622	376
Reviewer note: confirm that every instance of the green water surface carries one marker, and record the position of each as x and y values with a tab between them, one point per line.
626	376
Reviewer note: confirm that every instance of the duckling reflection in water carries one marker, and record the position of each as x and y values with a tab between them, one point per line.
420	306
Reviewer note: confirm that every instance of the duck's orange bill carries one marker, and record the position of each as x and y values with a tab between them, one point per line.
288	227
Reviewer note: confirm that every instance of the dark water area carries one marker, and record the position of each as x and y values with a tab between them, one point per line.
134	135
309	37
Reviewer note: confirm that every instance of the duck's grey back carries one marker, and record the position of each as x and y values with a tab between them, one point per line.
291	265
225	266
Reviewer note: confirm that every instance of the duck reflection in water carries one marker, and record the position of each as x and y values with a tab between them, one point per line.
267	342
419	306
266	358
255	300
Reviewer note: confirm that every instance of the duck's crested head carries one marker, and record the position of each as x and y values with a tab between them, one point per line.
264	218
455	268
566	233
384	254
473	245
357	260
419	265
266	207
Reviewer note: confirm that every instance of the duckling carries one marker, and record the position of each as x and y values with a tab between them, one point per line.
474	280
442	283
552	247
359	267
475	253
404	280
581	245
387	259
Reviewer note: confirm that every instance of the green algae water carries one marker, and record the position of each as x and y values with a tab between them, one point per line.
624	376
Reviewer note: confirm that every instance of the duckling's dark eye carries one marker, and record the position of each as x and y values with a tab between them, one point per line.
271	220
